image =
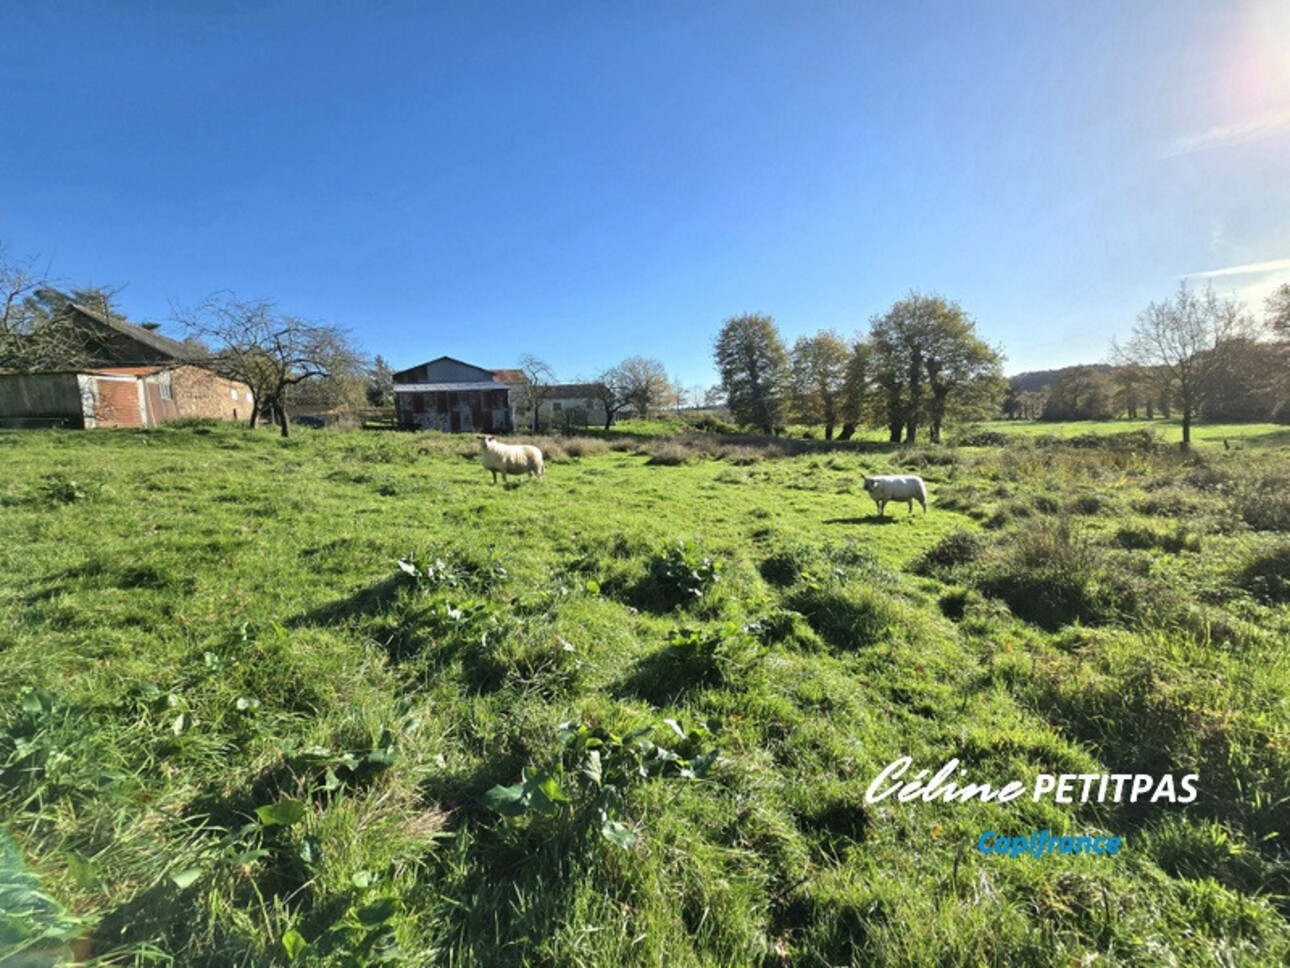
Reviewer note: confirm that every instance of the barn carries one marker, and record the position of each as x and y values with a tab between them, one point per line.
452	396
119	396
131	376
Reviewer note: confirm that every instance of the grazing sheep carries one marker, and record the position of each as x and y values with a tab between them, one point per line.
509	458
896	487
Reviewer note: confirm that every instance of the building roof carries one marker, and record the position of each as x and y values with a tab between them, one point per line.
123	370
163	345
510	376
448	387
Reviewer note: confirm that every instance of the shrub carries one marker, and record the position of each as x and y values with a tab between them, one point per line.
1051	574
959	548
585	446
669	453
1266	576
1145	538
985	438
1088	503
679	575
849	618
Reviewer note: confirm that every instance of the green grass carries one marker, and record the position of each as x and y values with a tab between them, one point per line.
258	698
1205	436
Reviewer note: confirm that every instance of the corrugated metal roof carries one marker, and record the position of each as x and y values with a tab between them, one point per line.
446	387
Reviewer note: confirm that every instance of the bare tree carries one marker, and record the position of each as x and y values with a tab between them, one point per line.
36	326
269	352
1183	339
539	378
611	390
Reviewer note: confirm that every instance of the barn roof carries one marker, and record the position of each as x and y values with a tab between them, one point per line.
448	387
163	345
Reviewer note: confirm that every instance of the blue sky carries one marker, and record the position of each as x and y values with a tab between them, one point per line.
591	181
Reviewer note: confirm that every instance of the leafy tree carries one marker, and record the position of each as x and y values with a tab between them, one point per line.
752	362
817	379
1181	338
855	384
380	383
928	363
645	385
1080	393
269	352
1132	386
1277	318
1241	381
1277	311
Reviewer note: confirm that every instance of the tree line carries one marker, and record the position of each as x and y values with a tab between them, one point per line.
920	365
1195	354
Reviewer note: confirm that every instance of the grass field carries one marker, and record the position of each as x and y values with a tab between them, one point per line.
337	700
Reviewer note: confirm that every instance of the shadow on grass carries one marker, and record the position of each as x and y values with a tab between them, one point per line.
366	603
665	677
869	520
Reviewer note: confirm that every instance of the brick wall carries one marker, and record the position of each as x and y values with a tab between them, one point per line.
116	402
201	393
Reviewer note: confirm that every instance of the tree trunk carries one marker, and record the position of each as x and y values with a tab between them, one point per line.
828	431
848	431
1186	428
280	412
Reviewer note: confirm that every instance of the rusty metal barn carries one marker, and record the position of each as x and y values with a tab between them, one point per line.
130	376
452	396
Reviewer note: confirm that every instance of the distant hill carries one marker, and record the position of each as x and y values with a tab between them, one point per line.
1034	380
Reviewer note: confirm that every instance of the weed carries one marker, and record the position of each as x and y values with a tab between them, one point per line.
679	574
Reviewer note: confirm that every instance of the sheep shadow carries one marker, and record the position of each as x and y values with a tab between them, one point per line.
366	603
868	520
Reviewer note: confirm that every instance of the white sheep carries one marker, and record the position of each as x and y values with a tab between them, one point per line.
509	458
896	487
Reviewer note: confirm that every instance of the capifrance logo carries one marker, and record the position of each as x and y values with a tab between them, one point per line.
1043	843
893	782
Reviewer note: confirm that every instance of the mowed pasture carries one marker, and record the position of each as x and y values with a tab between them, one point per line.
338	700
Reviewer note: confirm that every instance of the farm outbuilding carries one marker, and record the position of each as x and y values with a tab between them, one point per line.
120	396
452	396
124	376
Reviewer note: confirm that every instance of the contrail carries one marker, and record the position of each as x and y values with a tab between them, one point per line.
1252	268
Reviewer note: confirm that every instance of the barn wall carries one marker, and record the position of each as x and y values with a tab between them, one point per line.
443	371
40	398
467	411
201	393
119	401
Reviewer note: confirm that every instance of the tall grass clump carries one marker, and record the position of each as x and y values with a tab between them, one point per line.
1052	574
